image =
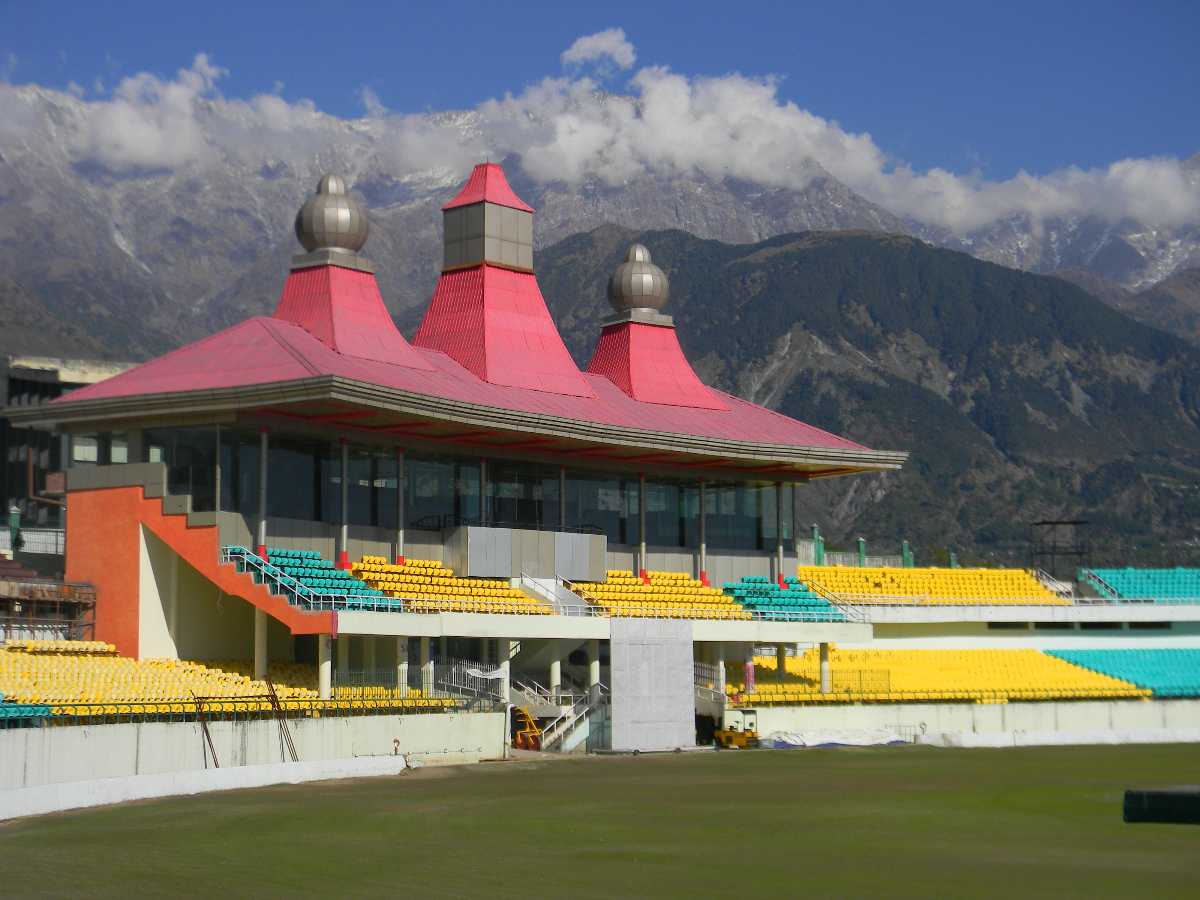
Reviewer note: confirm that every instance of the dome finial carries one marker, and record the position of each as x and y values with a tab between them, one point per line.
332	219
638	284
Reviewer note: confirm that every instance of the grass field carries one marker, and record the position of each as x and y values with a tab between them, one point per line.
917	822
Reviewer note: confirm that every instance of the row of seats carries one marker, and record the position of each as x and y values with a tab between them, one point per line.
314	571
894	676
1158	585
794	603
1167	672
660	594
930	585
428	586
300	679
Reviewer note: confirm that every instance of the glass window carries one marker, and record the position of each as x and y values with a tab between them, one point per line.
441	493
670	508
604	504
239	471
118	449
372	488
734	517
293	479
522	495
85	449
190	455
329	491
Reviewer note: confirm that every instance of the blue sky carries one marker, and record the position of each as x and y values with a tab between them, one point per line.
966	86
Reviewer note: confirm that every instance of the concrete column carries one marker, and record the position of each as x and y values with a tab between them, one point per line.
556	672
505	670
343	556
443	649
260	644
779	573
402	663
748	667
324	666
369	653
562	498
593	653
400	486
216	470
780	662
641	523
426	667
826	671
263	451
703	573
719	654
343	655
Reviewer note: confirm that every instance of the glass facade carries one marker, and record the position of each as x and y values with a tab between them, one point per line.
305	482
604	504
190	455
522	495
441	493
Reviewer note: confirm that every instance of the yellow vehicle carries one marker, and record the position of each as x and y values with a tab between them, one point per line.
740	735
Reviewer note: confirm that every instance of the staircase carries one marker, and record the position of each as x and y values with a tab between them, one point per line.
565	733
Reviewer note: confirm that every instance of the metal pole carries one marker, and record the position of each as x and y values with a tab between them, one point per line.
826	672
642	525
260	644
779	530
401	480
217	472
344	532
703	532
263	451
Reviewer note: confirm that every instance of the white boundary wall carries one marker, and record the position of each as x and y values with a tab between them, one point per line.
32	757
1081	721
47	798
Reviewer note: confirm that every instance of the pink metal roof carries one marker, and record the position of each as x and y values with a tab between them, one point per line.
494	323
488	183
647	363
343	309
265	350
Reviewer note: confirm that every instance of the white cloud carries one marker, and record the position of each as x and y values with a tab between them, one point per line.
608	46
567	129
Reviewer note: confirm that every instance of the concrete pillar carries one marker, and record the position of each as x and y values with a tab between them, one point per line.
402	663
748	669
719	659
400	486
263	452
369	653
556	672
260	644
443	649
324	666
505	670
780	662
826	671
343	655
426	667
216	469
779	573
641	523
343	555
593	653
703	574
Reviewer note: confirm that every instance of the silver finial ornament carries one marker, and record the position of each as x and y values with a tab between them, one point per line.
638	283
331	219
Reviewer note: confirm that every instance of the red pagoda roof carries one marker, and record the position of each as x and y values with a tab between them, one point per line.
488	184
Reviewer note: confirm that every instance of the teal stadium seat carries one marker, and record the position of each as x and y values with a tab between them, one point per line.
794	603
319	580
1167	672
1178	585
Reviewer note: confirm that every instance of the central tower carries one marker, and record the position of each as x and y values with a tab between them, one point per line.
487	312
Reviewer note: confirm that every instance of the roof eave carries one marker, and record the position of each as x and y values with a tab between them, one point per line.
830	461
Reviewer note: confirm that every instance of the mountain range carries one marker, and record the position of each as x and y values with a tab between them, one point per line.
143	259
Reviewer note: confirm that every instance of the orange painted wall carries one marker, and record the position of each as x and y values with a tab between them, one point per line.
103	549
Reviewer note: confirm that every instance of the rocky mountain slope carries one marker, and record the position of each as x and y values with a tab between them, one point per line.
1020	396
149	257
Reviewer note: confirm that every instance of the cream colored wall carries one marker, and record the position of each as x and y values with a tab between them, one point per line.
157	597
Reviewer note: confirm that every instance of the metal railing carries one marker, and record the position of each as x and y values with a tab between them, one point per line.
50	541
560	727
851	559
237	709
